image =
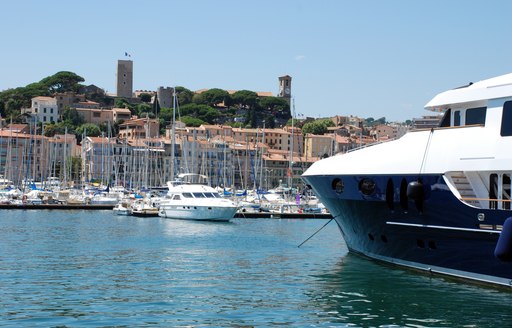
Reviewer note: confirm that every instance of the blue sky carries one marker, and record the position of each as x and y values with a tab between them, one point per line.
366	58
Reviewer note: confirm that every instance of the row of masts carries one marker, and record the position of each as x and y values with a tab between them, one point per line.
136	167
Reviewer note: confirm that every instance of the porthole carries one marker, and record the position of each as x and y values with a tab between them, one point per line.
384	238
420	243
370	236
337	185
367	186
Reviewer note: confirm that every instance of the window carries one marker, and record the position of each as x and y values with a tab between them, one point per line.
44	110
506	119
51	110
475	115
96	114
456	118
445	122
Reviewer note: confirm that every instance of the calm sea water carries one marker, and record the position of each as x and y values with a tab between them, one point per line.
92	268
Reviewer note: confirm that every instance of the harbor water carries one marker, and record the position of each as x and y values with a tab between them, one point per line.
96	269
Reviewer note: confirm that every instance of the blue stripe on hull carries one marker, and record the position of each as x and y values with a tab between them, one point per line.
443	237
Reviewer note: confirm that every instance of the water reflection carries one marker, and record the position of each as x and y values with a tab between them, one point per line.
361	292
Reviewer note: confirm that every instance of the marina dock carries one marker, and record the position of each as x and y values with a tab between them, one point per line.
239	215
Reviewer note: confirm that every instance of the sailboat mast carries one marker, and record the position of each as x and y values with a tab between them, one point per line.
290	162
173	132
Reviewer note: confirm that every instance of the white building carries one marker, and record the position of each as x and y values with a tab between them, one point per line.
44	108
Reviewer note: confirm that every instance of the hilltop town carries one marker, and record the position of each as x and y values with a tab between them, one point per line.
143	138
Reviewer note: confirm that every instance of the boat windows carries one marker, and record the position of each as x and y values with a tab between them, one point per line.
456	118
337	185
476	115
506	192
506	119
493	191
198	194
187	195
367	186
176	197
445	122
209	195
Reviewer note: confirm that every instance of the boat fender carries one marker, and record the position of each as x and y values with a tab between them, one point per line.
415	190
503	250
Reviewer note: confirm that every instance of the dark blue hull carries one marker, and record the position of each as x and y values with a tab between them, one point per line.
439	233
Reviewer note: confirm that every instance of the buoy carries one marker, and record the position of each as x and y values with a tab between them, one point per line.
503	250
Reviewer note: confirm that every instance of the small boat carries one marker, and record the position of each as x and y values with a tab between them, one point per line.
142	208
436	200
122	208
191	198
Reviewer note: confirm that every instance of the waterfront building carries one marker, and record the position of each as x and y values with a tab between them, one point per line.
136	163
26	156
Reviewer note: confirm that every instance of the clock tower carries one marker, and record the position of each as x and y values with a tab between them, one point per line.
285	87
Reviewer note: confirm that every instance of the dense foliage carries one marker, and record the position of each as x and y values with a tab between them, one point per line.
317	127
243	108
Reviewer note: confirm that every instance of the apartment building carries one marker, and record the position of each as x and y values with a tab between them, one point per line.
43	109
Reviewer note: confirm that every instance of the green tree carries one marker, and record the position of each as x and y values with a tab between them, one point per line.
89	129
192	121
318	127
62	82
72	115
145	97
279	107
245	98
143	109
184	96
212	97
52	129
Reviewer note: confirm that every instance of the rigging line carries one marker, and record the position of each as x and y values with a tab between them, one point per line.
315	232
426	150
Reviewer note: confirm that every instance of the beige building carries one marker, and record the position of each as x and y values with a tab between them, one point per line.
96	116
103	115
140	128
319	145
67	99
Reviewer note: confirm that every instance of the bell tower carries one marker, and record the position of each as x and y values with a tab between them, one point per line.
285	87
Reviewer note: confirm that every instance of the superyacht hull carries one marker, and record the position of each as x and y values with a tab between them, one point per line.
440	235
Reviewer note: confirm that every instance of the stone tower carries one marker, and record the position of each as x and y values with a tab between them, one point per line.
125	78
164	96
285	87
